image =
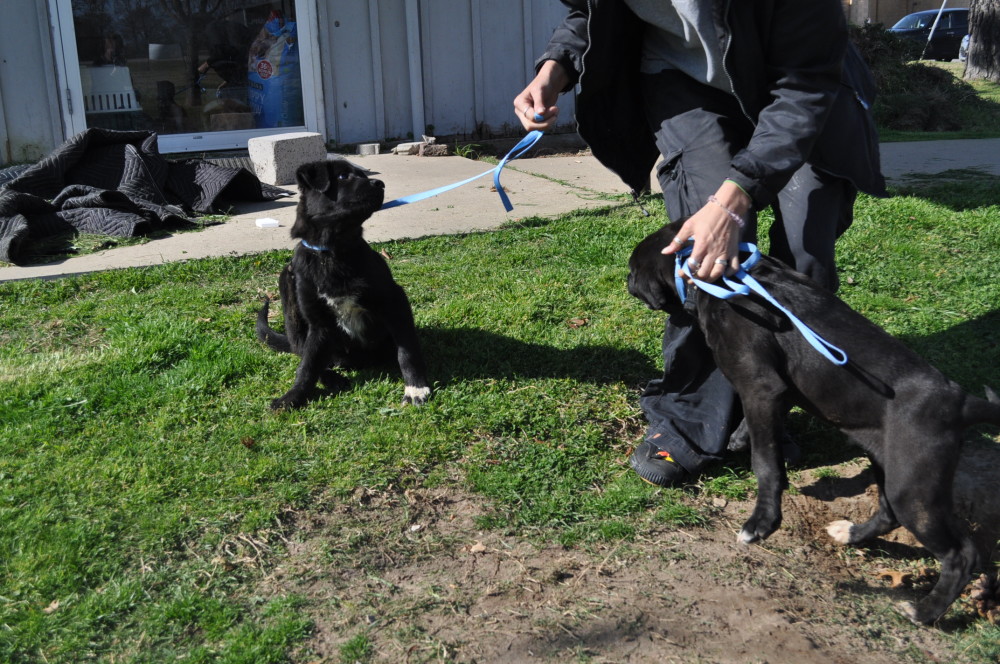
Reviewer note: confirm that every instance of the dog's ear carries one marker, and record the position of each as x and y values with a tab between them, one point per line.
315	176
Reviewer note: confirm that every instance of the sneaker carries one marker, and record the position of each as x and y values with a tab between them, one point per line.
656	466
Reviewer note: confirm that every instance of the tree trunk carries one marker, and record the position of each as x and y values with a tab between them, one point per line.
983	60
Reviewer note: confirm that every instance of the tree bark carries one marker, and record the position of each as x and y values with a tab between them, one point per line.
983	61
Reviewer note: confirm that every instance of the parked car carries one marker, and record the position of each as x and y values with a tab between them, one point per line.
948	33
963	50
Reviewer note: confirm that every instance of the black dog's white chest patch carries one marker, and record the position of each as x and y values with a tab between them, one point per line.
352	318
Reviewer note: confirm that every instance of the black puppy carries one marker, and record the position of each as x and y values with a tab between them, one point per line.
341	305
903	412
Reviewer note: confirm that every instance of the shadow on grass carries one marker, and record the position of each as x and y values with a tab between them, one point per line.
59	247
463	353
968	353
958	619
978	188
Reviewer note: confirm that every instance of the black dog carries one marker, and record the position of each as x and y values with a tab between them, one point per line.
341	305
903	412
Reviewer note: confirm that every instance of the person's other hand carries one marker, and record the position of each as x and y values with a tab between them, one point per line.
715	234
536	105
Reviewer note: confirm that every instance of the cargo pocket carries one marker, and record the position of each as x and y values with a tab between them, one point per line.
670	175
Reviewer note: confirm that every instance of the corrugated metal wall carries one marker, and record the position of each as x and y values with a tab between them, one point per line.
29	103
398	68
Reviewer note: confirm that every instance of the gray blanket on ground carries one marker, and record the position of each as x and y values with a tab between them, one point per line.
115	183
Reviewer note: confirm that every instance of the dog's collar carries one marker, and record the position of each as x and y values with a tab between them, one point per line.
314	247
742	283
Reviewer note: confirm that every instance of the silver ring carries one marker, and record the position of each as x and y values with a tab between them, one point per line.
677	240
722	261
693	264
525	111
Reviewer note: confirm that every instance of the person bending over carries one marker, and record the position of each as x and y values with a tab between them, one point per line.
750	105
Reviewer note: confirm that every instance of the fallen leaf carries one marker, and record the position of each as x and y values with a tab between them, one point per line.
577	322
51	607
478	547
985	596
897	579
248	442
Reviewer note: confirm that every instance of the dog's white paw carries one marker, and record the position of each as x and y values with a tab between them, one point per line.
746	537
416	395
840	531
909	610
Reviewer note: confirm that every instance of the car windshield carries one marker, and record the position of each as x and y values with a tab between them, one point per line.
914	22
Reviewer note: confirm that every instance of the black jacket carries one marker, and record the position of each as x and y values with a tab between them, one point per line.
806	91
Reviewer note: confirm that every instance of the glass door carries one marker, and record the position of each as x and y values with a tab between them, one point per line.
203	74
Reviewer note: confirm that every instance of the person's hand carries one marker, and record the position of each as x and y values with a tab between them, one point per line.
715	234
536	105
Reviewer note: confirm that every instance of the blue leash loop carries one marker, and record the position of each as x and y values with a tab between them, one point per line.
314	247
742	283
523	146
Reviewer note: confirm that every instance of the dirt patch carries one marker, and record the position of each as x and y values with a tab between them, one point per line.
414	575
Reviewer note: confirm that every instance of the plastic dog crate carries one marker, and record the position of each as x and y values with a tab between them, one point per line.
108	89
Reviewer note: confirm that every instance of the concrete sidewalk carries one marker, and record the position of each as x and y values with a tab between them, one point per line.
543	187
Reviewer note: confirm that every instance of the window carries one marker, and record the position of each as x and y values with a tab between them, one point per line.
185	69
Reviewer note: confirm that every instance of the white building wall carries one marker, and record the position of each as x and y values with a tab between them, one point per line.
449	59
473	57
348	72
396	107
30	124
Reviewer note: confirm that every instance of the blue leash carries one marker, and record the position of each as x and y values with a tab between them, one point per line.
314	247
742	284
523	146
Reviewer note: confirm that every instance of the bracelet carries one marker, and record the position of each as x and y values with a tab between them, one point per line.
740	221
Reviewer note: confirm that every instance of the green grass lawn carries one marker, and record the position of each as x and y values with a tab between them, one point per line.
142	477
